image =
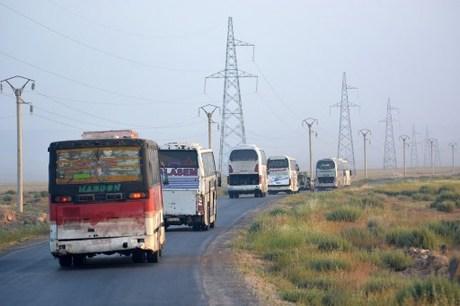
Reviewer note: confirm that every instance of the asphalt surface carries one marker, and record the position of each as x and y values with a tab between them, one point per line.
31	276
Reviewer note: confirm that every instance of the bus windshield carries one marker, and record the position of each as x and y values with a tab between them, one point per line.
243	155
325	165
277	163
178	159
98	165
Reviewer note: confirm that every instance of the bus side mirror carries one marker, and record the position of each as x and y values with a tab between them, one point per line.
219	179
165	178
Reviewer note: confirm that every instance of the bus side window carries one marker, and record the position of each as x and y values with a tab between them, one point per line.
155	167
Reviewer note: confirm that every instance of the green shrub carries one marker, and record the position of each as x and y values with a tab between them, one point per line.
450	229
361	238
306	281
7	198
444	206
382	283
305	297
278	212
337	297
328	264
255	227
428	189
347	214
396	260
419	238
44	194
327	243
10	192
431	291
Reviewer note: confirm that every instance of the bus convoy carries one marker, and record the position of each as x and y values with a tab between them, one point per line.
113	192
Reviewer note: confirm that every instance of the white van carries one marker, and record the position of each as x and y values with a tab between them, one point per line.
282	174
247	171
332	173
189	179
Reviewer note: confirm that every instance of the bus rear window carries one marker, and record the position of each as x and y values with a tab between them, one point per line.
178	159
243	155
325	165
98	165
277	163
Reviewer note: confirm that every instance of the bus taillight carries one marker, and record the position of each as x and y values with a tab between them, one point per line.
63	199
230	169
199	205
256	169
137	195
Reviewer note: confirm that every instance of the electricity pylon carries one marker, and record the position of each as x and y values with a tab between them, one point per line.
232	131
453	146
345	144
389	156
414	149
426	149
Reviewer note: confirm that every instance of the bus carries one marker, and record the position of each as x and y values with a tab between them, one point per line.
105	197
190	183
247	171
283	174
332	173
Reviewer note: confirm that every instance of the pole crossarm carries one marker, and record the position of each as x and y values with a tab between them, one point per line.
19	102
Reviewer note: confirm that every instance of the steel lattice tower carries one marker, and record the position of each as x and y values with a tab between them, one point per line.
345	143
437	154
414	149
389	156
232	126
426	149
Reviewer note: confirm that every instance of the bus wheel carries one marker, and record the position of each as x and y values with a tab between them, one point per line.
230	195
153	256
65	261
236	195
79	260
138	256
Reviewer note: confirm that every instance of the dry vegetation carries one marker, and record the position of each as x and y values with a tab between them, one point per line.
16	227
383	245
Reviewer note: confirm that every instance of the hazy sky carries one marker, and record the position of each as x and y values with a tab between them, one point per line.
140	64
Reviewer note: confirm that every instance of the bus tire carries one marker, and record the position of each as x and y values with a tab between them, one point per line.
153	256
138	256
230	195
65	261
78	260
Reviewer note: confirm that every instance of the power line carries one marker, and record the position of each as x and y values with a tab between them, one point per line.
133	33
275	92
81	83
93	48
58	122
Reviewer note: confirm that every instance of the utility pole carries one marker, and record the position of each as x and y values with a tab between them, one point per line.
431	142
19	101
309	122
365	133
404	139
209	110
232	130
414	162
452	146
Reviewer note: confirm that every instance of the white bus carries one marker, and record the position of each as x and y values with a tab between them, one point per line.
247	171
332	173
282	174
190	182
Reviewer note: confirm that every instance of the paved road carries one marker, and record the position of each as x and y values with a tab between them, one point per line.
30	276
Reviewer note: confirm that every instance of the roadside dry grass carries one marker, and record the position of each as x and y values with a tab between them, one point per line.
359	246
16	227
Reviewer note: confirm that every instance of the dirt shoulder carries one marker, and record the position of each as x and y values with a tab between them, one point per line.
222	267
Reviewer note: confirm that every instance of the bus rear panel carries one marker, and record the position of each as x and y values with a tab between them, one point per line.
105	197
